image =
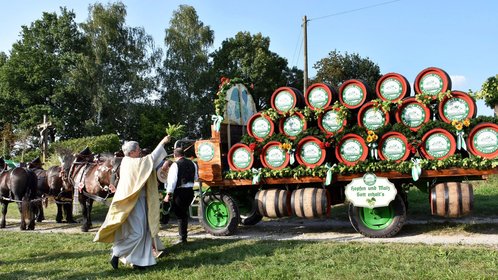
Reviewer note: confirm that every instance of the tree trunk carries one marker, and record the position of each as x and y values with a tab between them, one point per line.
496	110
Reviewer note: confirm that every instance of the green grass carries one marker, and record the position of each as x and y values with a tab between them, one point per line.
60	256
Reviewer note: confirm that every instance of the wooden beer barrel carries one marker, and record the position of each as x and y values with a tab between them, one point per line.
319	96
310	152
310	203
459	107
394	146
483	140
240	157
330	122
452	199
372	118
432	81
260	126
437	143
412	114
292	125
273	156
285	98
273	203
392	87
351	149
354	93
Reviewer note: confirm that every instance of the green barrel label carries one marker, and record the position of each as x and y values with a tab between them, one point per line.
391	89
310	152
486	141
318	97
275	156
293	125
393	148
438	145
351	150
284	101
241	158
261	127
331	121
431	84
373	118
413	115
352	95
205	151
456	109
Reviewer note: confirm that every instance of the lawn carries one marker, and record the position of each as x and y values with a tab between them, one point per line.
59	256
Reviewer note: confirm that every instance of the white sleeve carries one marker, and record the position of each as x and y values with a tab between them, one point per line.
172	178
158	155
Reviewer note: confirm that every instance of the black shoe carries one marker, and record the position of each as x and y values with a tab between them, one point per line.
139	267
114	262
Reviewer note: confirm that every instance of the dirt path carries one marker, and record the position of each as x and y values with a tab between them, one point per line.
321	230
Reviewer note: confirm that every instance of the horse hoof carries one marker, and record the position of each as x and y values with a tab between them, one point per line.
72	222
58	221
84	229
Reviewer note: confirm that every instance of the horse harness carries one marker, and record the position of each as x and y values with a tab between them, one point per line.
81	182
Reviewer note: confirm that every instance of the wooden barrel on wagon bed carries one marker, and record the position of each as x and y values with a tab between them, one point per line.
432	81
351	149
412	114
284	99
459	107
320	96
392	87
452	199
293	125
331	122
354	93
371	117
483	140
311	152
260	126
394	146
240	157
310	203
274	203
273	156
438	143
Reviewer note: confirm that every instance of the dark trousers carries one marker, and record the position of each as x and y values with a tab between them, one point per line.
182	197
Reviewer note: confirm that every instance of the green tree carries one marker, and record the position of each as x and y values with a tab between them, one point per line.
489	92
337	68
248	56
185	76
118	72
34	79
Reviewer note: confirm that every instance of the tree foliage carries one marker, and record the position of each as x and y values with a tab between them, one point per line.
249	57
185	76
337	68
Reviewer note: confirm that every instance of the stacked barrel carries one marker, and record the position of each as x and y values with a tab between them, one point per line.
354	139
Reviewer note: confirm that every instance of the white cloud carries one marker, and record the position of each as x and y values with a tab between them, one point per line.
458	82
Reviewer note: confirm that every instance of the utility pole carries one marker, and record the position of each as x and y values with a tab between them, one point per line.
305	47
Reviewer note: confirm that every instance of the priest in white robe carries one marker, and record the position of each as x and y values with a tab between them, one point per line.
132	222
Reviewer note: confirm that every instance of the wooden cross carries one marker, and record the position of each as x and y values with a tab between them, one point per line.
44	127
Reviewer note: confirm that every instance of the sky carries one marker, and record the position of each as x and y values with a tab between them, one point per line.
401	36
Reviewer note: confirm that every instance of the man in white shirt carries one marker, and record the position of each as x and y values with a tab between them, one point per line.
179	190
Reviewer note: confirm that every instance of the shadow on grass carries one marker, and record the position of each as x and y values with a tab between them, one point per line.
55	256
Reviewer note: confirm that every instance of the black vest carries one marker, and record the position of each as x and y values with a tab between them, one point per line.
186	172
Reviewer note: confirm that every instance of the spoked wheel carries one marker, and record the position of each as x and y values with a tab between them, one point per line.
220	215
379	222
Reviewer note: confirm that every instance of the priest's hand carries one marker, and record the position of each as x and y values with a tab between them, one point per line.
166	139
168	197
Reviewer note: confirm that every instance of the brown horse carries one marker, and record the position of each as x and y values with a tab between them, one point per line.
91	181
19	185
50	183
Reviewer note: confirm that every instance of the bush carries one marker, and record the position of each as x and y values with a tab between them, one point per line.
97	144
489	91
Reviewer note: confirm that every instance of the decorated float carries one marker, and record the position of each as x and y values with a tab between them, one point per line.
328	146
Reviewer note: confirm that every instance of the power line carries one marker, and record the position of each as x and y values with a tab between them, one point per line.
298	43
354	10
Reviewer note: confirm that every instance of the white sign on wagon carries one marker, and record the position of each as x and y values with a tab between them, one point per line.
370	191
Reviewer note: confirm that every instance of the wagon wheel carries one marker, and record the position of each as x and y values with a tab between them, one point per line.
379	222
220	215
249	214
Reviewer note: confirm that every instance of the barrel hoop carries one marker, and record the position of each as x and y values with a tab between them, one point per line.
293	203
301	198
460	202
313	202
446	200
325	204
265	213
275	203
433	200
